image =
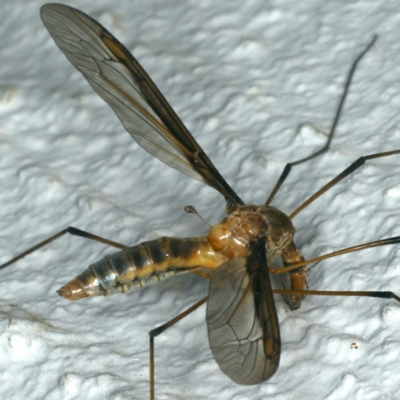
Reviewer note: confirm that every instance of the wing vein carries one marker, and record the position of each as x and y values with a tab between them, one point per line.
120	80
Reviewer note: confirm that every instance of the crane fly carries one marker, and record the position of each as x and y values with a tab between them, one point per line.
237	253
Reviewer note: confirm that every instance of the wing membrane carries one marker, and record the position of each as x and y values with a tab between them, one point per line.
242	323
120	80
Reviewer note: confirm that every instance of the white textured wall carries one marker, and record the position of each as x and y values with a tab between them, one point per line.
247	78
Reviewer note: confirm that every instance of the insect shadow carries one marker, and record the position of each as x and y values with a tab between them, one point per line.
236	255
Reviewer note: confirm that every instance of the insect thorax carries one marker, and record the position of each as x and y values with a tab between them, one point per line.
232	236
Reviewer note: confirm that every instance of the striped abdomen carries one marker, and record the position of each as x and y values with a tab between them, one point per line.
142	264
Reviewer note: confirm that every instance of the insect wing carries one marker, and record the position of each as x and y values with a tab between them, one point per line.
120	80
243	328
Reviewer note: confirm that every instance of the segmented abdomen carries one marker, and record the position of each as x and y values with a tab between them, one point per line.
139	265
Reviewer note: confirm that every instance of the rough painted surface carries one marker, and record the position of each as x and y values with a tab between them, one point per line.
257	84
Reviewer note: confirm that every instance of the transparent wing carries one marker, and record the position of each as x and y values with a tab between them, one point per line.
120	80
243	328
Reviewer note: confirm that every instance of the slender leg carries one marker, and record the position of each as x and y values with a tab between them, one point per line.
289	166
381	295
155	332
71	230
353	167
376	243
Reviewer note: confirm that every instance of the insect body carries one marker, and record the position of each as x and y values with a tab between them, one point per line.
149	261
119	79
241	317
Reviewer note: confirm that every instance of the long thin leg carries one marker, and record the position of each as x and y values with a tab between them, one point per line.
289	166
353	167
381	295
157	331
376	243
72	231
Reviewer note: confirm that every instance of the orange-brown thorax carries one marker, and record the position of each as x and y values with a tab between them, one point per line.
232	236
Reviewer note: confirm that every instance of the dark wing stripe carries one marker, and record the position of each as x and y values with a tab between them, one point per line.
241	325
120	80
138	125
